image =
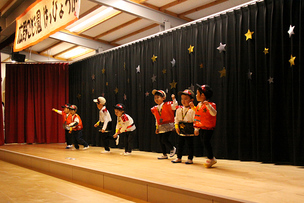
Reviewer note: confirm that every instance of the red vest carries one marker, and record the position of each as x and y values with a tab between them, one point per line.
166	115
203	119
79	126
66	119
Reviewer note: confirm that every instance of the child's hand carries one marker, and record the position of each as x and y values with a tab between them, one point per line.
177	131
196	132
95	125
191	104
173	96
53	109
115	135
206	102
156	131
103	131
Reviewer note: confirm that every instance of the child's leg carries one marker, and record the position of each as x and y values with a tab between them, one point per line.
126	136
165	140
189	141
206	139
162	145
181	143
130	142
105	140
80	140
74	135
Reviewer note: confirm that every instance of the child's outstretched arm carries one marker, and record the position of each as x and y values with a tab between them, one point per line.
175	103
212	111
57	111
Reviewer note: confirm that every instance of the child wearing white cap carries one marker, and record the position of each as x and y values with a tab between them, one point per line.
104	122
164	117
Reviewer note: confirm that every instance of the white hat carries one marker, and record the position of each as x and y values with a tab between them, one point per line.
160	92
100	100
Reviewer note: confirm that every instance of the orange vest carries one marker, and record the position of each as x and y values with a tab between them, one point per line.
166	115
66	119
203	118
79	126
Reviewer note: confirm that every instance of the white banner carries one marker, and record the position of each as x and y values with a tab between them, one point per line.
42	19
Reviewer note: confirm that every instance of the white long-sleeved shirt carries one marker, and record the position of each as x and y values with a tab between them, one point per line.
125	123
184	114
104	117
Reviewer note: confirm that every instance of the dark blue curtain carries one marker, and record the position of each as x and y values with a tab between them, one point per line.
258	98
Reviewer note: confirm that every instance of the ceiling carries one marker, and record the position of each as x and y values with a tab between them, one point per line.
120	22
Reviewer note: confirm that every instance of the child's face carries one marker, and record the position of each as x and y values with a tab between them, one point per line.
200	96
158	99
186	100
99	106
118	113
72	112
66	110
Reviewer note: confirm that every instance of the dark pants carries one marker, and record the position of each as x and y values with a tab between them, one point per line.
181	143
128	140
78	139
106	137
68	138
164	141
206	136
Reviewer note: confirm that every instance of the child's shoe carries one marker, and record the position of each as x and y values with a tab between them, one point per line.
172	152
87	147
69	146
105	152
117	140
163	157
189	161
127	153
177	160
210	162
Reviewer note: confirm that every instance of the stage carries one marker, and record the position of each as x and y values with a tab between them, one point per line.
144	177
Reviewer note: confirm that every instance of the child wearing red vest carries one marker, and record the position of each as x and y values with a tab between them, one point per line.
66	117
205	120
76	128
164	117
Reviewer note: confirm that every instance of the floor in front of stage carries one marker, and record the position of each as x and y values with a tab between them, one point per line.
248	181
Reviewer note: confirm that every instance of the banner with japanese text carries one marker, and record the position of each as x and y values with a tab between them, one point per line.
42	19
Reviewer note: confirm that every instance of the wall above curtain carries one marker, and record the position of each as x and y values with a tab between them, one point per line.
252	59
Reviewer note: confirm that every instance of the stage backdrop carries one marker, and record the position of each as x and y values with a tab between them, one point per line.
252	58
32	90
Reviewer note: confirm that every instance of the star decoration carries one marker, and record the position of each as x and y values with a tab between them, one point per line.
154	58
147	94
201	65
173	84
164	71
167	90
93	77
191	87
266	51
190	49
107	84
103	71
93	91
291	60
223	72
249	74
222	47
290	31
125	97
270	80
128	80
116	90
248	35
78	96
138	69
173	62
153	78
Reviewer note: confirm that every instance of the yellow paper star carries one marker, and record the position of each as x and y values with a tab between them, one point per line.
164	71
173	84
248	35
103	70
223	72
154	58
78	96
201	65
116	90
266	51
107	84
93	91
291	60
190	49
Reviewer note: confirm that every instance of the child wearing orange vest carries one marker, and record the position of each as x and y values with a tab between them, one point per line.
76	128
164	117
205	120
66	117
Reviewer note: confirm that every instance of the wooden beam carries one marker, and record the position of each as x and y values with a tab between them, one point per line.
134	33
117	28
90	11
51	47
174	3
202	7
62	52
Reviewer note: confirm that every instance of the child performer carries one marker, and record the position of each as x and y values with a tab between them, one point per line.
184	126
76	128
105	123
205	120
125	126
66	117
164	116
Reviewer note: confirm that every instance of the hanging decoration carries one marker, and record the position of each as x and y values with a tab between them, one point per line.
190	49
270	80
266	51
249	35
153	78
138	69
292	60
222	47
173	84
223	72
173	62
291	30
154	58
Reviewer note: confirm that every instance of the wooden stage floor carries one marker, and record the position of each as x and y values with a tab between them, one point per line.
245	181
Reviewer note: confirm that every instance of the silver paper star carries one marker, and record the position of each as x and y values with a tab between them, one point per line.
138	69
153	78
249	74
147	94
191	87
290	31
270	80
222	47
173	62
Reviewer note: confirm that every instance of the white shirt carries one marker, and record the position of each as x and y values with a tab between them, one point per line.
125	123
184	114
104	117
